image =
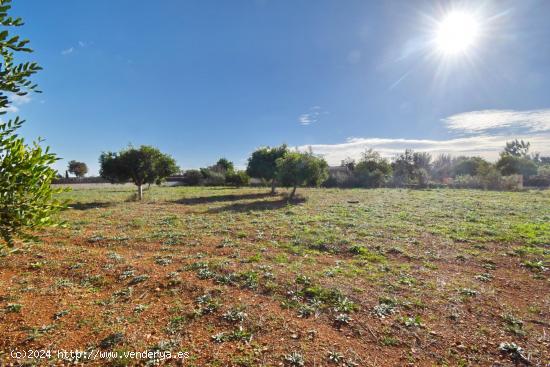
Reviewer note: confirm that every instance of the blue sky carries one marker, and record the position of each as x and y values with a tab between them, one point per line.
205	79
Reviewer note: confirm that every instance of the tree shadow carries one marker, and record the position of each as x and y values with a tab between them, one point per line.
88	206
221	198
257	205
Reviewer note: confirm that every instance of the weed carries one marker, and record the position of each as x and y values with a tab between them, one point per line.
111	340
342	319
335	357
414	321
385	307
14	307
515	352
207	304
294	359
60	314
163	261
513	324
468	292
535	265
234	315
486	277
138	279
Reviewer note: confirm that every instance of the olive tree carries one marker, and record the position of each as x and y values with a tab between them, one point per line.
263	163
79	169
27	199
143	165
298	169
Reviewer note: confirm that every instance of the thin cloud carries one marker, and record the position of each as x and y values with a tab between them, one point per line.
305	119
488	131
312	116
20	100
487	120
67	51
16	101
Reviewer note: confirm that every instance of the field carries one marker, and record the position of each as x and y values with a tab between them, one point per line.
236	277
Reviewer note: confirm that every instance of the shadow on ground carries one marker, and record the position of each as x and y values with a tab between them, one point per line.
88	206
257	205
221	198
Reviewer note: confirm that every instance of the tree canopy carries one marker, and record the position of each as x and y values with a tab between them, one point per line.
298	169
143	165
79	169
517	148
26	197
263	163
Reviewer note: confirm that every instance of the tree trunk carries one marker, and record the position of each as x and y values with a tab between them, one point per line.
140	192
292	193
273	187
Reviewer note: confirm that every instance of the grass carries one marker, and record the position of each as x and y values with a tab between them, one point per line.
358	276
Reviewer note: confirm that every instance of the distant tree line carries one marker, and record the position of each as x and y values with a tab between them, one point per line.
419	169
272	166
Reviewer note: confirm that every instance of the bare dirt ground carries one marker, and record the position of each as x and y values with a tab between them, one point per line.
236	277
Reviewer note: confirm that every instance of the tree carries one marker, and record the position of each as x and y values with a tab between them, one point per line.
516	165
403	168
238	178
297	169
146	165
263	163
517	148
349	163
27	199
79	169
471	166
442	167
372	170
223	166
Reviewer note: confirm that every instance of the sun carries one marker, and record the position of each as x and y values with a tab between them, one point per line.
457	33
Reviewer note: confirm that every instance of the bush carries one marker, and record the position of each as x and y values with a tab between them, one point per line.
372	170
537	181
491	180
510	165
469	166
27	200
239	178
467	182
340	177
192	177
212	178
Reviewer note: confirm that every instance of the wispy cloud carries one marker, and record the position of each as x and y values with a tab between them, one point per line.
20	100
17	101
487	120
312	116
487	132
67	51
72	49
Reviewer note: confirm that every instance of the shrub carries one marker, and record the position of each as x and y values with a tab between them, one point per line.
192	177
26	197
537	181
212	178
372	170
239	178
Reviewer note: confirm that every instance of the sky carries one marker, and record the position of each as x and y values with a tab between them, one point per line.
204	79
